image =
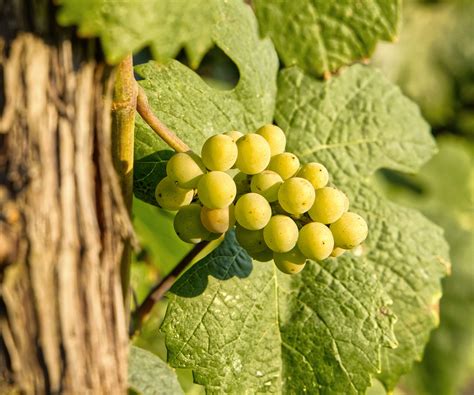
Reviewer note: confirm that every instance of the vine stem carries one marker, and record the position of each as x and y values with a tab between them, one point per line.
159	290
145	111
123	127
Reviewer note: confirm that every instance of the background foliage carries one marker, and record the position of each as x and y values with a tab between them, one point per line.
238	323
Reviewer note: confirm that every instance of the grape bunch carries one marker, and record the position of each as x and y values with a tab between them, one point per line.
282	210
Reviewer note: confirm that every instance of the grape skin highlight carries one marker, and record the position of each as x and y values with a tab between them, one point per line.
275	137
219	152
296	195
186	168
315	241
281	233
170	196
252	211
216	189
253	154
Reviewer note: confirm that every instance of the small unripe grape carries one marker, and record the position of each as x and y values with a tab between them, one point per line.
218	220
315	241
328	206
296	195
251	240
285	164
337	252
275	137
242	181
349	231
267	183
219	152
186	168
315	173
262	256
234	135
188	226
170	196
252	211
254	154
281	233
290	262
216	189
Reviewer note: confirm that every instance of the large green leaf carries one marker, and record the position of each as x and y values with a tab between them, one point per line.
194	110
126	26
241	326
323	35
446	196
355	124
149	375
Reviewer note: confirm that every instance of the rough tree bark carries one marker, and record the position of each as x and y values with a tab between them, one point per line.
63	222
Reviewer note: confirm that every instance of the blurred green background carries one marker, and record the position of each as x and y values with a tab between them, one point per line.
433	63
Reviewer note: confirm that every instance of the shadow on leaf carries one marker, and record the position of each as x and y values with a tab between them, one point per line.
226	261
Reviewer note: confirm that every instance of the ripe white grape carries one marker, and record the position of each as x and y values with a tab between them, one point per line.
252	211
275	137
170	196
329	205
253	154
296	195
315	241
281	233
285	164
315	173
337	252
290	262
186	168
188	226
218	220
349	231
219	152
234	135
267	183
251	240
262	256
216	189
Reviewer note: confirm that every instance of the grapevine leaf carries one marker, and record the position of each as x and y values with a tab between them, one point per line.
357	123
327	34
126	26
194	110
445	364
318	331
149	375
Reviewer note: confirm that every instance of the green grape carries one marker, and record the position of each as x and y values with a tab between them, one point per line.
186	168
262	256
290	262
315	241
296	195
349	231
254	154
267	183
170	196
275	137
242	181
234	135
251	240
219	152
281	233
328	206
252	211
315	173
337	252
218	220
188	226
216	189
285	164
